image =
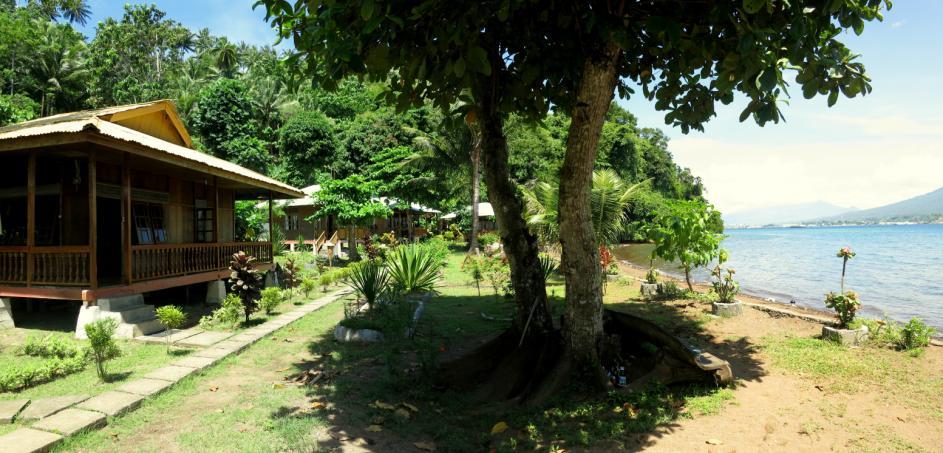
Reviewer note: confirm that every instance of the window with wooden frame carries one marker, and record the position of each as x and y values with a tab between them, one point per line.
204	224
149	223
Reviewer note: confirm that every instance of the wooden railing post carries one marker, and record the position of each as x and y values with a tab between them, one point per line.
30	215
271	226
92	220
126	218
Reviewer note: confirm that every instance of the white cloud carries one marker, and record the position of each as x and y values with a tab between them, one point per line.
861	173
886	125
897	24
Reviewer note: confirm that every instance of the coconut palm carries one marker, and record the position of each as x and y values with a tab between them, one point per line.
227	58
609	198
455	152
59	68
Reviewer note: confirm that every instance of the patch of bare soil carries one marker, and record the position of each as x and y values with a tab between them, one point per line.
774	410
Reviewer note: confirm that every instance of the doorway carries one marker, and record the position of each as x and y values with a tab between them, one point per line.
109	241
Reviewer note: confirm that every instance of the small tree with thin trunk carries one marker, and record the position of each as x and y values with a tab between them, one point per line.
171	317
245	282
683	235
101	339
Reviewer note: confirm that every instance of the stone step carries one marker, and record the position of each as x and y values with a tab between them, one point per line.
138	314
131	330
121	303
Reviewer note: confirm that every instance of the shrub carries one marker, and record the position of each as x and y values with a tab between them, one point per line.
915	334
21	377
228	314
724	285
50	347
271	298
475	266
371	281
245	281
171	317
438	248
670	291
652	276
845	305
413	268
498	274
307	286
101	341
326	279
291	274
549	266
486	239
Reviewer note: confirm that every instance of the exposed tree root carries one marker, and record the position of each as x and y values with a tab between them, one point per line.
502	372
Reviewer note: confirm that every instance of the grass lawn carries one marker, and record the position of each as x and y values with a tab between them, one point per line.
379	397
245	405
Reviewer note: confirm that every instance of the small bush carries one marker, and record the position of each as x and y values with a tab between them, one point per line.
271	298
227	315
438	248
326	279
50	347
845	305
651	276
308	285
670	291
101	341
915	334
171	317
245	281
486	239
23	377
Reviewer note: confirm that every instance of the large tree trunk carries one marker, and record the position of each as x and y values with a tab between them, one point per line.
583	324
475	165
520	246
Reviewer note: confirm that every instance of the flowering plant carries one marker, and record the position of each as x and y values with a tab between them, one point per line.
724	285
846	305
651	276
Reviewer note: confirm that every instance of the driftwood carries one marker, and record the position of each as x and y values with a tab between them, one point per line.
673	362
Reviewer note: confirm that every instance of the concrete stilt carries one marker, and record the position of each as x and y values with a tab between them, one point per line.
6	314
135	318
215	292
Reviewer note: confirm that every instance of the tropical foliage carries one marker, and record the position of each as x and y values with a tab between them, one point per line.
686	234
413	268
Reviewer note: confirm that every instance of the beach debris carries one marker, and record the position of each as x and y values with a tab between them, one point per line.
714	442
311	377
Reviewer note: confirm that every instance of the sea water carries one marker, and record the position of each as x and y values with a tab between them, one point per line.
898	270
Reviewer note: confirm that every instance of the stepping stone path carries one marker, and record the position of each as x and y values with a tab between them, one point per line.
57	418
9	410
42	408
71	421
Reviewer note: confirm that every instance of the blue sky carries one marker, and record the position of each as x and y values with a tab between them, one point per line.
863	152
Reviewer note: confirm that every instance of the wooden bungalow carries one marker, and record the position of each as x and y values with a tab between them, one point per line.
300	221
115	202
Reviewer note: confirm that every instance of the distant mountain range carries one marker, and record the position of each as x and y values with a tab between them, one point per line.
784	215
922	209
926	208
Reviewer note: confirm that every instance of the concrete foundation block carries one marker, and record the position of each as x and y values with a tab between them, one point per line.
112	403
6	314
845	337
215	292
727	310
71	421
346	335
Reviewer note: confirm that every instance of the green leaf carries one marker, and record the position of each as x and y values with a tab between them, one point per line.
832	97
459	67
366	10
504	10
753	6
478	59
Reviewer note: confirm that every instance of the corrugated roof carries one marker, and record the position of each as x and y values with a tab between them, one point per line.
89	121
484	210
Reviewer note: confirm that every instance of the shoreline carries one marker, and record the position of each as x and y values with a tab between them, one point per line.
812	314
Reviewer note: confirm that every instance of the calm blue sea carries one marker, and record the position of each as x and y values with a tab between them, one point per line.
898	270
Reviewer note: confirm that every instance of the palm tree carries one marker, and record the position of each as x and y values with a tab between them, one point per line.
609	198
75	11
455	152
227	58
59	68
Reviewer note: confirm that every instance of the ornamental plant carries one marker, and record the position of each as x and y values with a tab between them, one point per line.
307	286
651	276
724	284
171	317
245	281
846	303
371	281
101	342
413	268
271	297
